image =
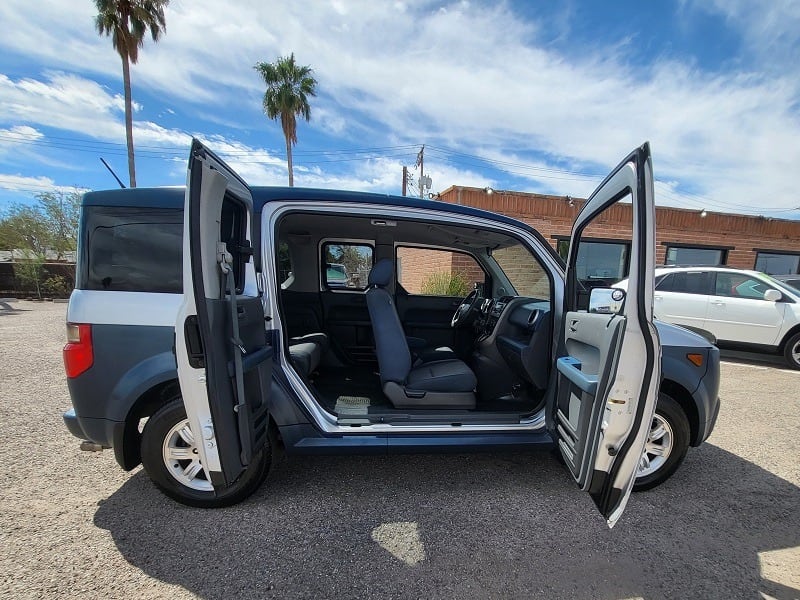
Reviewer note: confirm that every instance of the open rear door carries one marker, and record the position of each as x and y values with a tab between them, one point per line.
609	356
224	359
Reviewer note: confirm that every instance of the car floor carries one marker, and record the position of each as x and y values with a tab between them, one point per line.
351	390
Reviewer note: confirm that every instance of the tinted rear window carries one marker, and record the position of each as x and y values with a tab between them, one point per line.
132	250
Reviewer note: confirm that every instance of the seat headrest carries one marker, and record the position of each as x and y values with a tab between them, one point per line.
381	274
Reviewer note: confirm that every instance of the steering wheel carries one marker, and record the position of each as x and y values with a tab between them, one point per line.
466	309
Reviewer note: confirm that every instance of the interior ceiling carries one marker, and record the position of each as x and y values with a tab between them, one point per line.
319	226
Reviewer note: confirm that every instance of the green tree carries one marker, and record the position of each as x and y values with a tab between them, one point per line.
127	22
30	272
289	87
49	225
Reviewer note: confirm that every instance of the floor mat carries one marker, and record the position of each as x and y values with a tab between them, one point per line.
352	405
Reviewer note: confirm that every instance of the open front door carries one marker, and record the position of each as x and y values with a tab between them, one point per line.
609	356
224	360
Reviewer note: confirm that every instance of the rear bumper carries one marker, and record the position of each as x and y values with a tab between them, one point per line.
106	433
73	425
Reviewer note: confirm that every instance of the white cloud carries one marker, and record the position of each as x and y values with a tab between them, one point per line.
21	183
471	76
20	133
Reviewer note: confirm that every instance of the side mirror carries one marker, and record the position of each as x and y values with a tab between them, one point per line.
606	300
772	295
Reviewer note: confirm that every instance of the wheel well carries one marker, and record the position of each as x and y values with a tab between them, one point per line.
145	405
684	398
785	339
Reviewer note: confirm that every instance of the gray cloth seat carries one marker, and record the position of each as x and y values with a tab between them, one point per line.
306	351
432	384
442	376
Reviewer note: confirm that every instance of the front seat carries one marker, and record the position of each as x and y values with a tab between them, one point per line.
434	384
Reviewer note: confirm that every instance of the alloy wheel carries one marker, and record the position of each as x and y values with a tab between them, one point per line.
182	458
657	448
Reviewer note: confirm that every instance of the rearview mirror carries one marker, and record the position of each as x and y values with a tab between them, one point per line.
606	300
772	295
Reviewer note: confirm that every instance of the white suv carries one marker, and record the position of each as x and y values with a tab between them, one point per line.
741	309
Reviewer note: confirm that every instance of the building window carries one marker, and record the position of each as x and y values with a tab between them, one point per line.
678	255
777	263
600	263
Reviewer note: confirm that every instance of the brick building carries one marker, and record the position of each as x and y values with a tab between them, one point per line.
682	236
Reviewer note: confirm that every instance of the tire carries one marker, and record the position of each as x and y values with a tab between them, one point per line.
668	442
791	351
183	480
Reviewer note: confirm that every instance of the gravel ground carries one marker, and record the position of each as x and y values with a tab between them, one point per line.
72	524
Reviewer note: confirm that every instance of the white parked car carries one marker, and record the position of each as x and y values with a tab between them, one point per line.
747	310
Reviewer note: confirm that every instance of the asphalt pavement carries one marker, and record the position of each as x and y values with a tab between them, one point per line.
510	525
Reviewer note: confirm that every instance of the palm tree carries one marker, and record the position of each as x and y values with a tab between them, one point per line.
127	22
288	89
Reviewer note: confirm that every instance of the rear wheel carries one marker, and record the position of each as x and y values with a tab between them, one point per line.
791	352
171	459
667	443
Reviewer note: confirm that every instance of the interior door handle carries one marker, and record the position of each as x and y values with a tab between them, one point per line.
573	326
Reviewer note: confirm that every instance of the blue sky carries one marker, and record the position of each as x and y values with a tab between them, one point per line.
533	96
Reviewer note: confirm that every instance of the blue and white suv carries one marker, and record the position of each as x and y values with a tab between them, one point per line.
204	330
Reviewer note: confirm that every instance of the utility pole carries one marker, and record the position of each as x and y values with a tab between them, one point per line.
421	165
405	180
423	181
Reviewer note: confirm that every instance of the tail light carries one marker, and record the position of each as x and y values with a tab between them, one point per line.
78	353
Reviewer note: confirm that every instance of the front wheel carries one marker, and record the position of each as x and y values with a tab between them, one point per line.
791	352
171	459
667	443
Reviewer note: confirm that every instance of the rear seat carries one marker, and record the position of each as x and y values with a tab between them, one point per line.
306	351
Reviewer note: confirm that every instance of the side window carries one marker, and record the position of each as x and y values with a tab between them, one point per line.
665	282
600	263
345	266
735	285
524	271
133	250
233	232
690	282
431	272
284	264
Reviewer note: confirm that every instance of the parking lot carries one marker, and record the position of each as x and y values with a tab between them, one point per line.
727	525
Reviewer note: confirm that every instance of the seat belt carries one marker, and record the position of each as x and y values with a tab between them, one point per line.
240	408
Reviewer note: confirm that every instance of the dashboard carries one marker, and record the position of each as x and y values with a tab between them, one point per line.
519	328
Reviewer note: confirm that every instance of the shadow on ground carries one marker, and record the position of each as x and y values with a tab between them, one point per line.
502	525
762	359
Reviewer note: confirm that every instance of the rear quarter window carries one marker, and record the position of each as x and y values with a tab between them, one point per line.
132	250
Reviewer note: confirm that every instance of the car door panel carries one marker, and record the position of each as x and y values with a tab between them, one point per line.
745	320
302	312
586	369
681	309
222	353
608	364
732	317
348	325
